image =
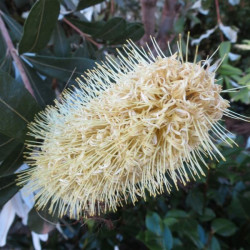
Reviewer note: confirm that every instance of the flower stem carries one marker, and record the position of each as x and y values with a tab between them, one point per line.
15	56
218	17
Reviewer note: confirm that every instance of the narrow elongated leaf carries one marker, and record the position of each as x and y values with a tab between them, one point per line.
88	27
6	65
134	31
8	188
86	50
2	47
229	70
5	59
17	107
83	4
115	30
13	161
61	43
3	6
60	67
7	144
42	88
112	30
39	25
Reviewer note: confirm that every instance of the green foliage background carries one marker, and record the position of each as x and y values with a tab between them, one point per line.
210	213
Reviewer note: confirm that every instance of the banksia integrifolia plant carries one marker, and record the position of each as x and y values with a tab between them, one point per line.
129	127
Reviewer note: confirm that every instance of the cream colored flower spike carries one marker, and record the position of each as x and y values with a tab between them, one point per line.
123	131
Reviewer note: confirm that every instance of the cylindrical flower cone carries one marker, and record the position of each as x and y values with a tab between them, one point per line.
129	127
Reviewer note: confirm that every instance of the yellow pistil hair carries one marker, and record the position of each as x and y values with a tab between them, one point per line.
126	128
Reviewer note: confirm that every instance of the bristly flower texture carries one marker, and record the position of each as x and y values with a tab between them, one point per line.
129	127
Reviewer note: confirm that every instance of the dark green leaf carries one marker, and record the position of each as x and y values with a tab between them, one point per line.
61	43
167	238
83	4
60	67
235	209
153	223
188	227
169	221
221	195
6	65
13	161
17	107
223	227
207	215
195	201
191	231
8	188
112	30
243	158
21	3
7	144
134	31
115	30
86	50
244	201
176	213
87	27
42	88
3	7
150	240
2	48
39	25
202	234
5	59
214	244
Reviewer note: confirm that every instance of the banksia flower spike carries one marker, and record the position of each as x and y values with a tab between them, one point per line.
126	128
